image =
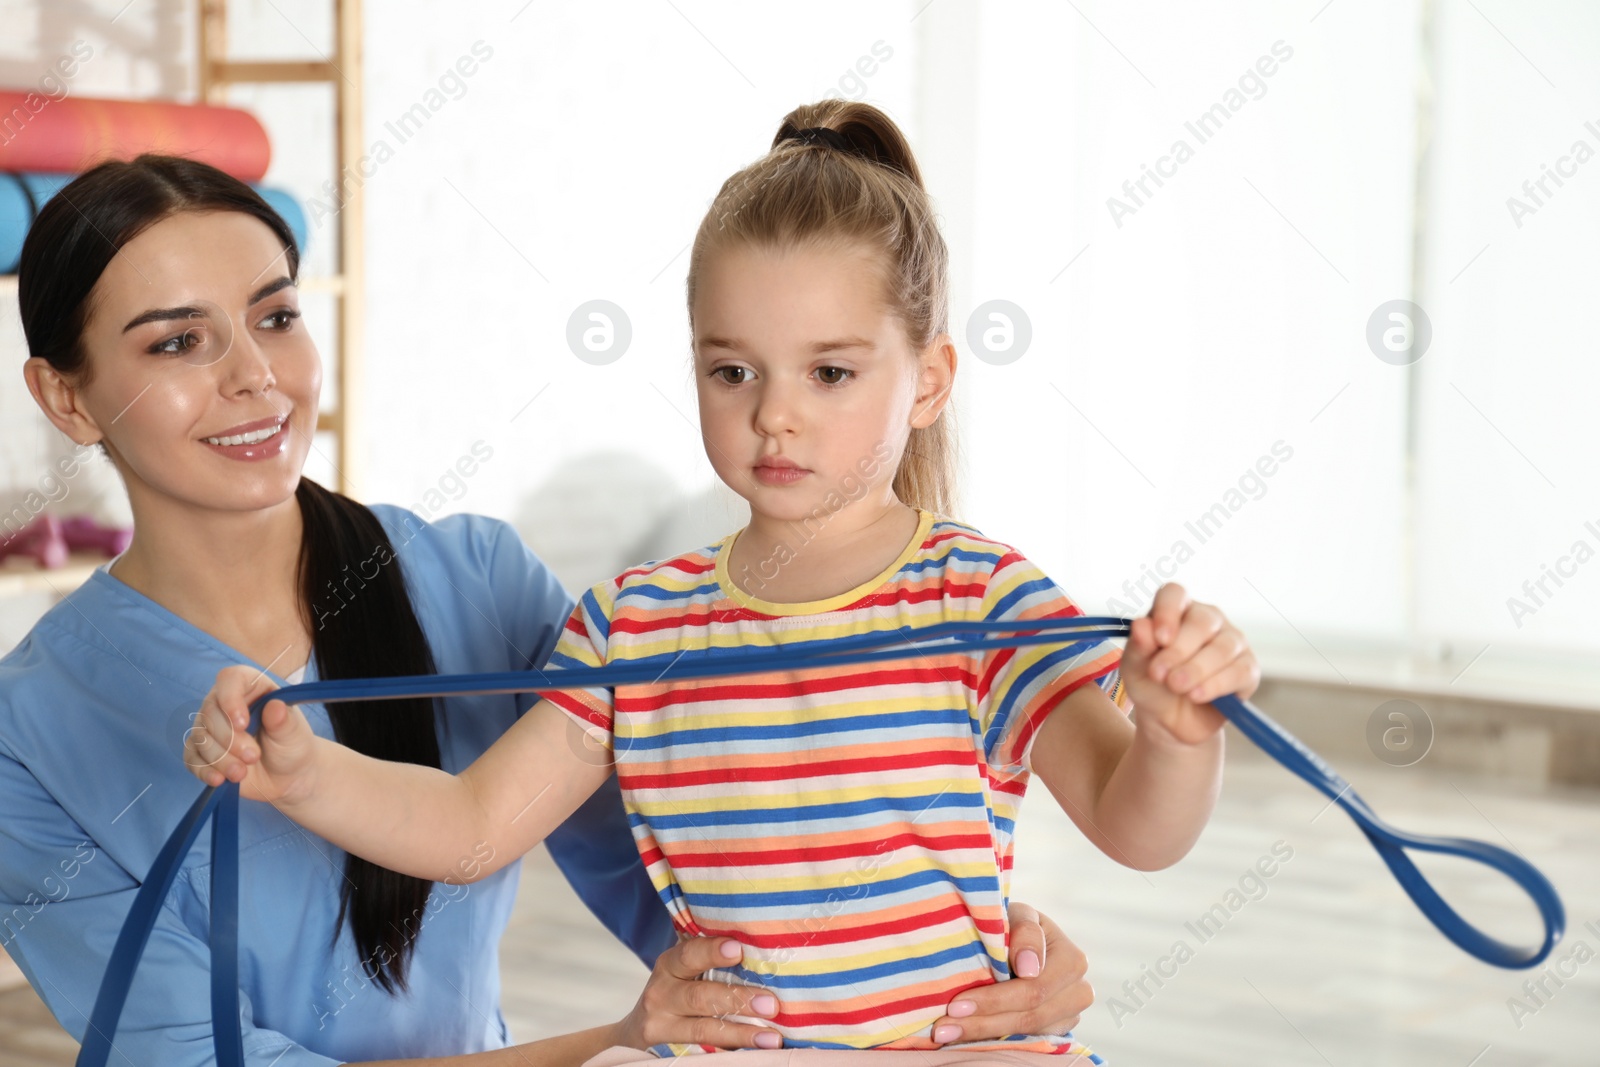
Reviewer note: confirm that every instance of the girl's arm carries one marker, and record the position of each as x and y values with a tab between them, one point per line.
1143	791
415	820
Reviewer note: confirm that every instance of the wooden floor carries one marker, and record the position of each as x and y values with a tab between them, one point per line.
1330	964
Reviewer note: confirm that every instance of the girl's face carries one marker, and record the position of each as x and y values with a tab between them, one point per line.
808	385
202	381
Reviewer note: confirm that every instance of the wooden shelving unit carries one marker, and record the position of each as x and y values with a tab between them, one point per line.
343	74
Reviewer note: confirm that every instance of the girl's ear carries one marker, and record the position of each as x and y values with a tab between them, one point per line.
936	379
60	401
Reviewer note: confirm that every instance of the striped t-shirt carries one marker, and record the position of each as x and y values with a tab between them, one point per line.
851	826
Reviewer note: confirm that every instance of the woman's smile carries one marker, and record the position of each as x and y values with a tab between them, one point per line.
251	441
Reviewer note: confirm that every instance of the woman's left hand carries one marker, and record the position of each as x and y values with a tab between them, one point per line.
1179	658
1047	993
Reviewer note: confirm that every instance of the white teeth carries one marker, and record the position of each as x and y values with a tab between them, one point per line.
254	438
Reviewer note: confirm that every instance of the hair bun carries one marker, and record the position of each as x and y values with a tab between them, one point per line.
853	127
821	135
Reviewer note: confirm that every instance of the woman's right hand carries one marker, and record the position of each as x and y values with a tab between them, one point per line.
679	1007
276	766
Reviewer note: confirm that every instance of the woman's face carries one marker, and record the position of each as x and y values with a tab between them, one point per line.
202	380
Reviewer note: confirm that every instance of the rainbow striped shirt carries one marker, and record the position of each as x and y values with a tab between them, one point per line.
851	826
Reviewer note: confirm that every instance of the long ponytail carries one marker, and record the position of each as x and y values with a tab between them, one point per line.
347	559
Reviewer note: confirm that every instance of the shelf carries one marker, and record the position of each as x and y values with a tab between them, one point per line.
272	72
24	576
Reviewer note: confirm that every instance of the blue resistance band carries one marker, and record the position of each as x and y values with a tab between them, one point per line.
1076	633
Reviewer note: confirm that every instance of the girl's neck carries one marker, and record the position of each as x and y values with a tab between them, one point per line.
819	559
230	574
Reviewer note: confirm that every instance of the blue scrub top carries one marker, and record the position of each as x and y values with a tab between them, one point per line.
94	704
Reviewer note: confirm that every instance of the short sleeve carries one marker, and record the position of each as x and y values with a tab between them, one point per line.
1019	687
529	599
583	643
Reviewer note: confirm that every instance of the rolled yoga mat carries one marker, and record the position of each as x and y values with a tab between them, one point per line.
22	195
74	133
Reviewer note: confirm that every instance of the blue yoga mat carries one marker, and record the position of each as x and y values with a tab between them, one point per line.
22	195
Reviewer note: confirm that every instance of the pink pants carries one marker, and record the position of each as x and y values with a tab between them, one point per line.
630	1057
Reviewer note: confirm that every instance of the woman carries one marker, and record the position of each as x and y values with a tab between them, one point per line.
160	310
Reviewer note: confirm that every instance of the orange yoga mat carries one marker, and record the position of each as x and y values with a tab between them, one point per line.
72	134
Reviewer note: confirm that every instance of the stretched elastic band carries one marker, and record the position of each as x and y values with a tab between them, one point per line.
1078	632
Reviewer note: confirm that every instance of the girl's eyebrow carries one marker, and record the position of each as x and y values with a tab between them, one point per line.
842	342
817	347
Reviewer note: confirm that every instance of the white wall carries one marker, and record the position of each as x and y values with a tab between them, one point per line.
1509	458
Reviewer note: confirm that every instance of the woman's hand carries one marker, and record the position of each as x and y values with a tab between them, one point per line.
1181	657
680	1007
1047	993
219	747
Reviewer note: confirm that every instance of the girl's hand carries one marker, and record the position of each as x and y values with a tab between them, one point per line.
1181	657
219	746
680	1007
1047	994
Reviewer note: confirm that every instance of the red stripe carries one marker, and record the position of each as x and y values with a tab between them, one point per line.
836	933
573	706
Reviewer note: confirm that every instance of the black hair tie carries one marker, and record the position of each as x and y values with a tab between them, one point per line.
821	135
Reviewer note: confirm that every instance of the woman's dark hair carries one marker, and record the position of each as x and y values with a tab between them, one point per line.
375	631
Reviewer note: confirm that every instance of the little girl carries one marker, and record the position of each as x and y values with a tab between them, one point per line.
851	826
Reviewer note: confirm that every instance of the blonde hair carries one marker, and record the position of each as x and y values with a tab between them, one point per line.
859	184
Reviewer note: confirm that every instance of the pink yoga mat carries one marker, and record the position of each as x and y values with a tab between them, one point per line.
70	135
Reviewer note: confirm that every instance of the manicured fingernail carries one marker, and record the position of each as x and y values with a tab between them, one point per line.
962	1008
768	1039
731	950
943	1035
765	1005
1028	963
